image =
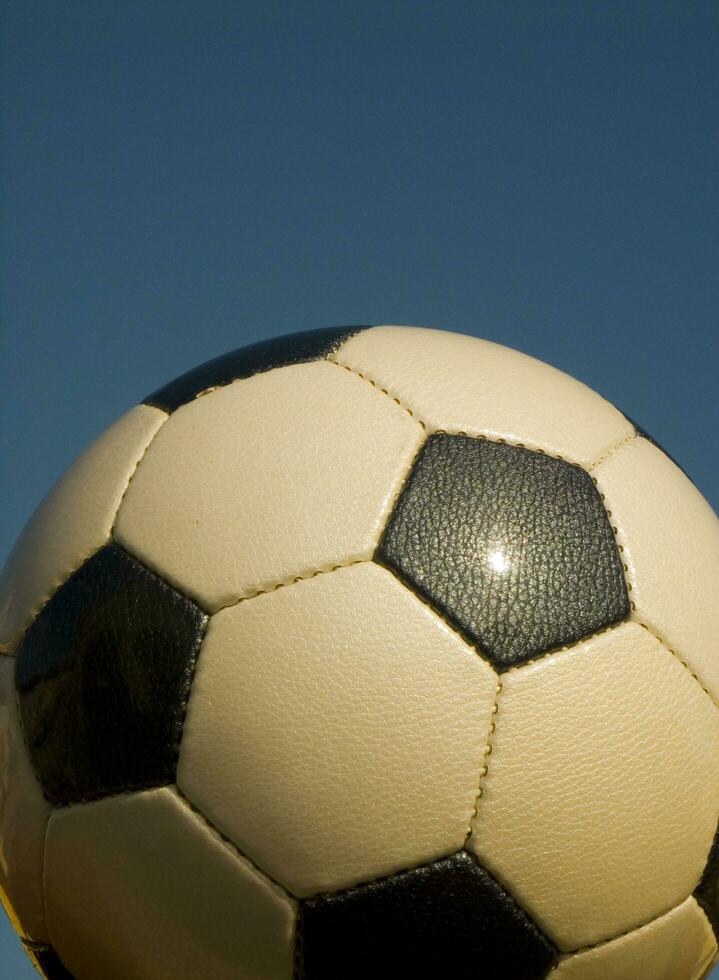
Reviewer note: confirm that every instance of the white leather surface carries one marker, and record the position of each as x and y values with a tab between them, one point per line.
336	729
72	522
678	946
602	795
670	537
140	889
23	817
455	382
266	479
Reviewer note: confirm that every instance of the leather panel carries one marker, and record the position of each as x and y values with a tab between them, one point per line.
267	479
295	348
72	522
139	888
670	537
677	946
601	800
513	546
103	676
446	919
460	383
23	818
336	729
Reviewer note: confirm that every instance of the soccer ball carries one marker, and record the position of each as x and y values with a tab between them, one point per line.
364	653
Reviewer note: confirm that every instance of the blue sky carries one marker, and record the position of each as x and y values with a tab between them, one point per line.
179	179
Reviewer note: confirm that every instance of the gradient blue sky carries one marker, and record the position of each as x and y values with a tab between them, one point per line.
181	178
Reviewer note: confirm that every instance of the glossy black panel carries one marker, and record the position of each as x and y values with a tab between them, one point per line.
103	677
48	961
707	891
513	546
295	348
447	919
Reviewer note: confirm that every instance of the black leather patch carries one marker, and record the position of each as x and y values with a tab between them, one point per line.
103	677
707	891
447	919
295	348
48	961
514	547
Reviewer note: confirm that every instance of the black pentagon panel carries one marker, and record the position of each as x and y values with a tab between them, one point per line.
514	547
446	919
48	961
295	348
103	676
707	891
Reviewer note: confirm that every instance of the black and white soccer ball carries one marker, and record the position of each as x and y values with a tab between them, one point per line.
364	653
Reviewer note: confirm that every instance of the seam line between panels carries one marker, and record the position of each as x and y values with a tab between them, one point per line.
431	430
284	583
614	449
231	846
35	612
633	614
657	636
626	932
346	367
135	469
484	768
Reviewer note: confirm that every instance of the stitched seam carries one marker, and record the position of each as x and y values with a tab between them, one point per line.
615	449
684	664
634	616
380	878
36	610
484	768
627	932
565	647
340	364
283	583
132	475
331	359
233	848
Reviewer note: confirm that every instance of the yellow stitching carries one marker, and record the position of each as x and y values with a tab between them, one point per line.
620	935
484	768
230	844
634	616
615	449
379	387
58	582
283	583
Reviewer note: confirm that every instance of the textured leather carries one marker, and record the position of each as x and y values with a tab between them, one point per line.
72	522
23	818
140	888
345	733
677	946
266	479
103	677
295	348
513	546
463	384
601	799
336	730
447	919
670	537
